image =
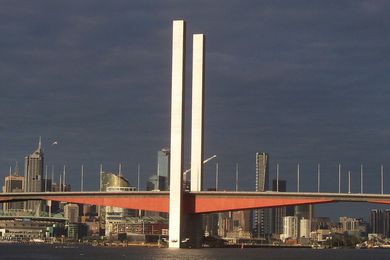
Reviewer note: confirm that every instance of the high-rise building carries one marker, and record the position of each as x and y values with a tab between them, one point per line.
304	228
33	176
13	183
71	212
290	227
163	163
262	171
160	180
262	217
386	223
277	214
376	221
304	212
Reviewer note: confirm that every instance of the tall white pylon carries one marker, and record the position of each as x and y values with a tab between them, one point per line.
197	112
177	122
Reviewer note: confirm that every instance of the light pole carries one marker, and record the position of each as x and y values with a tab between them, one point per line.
216	176
382	179
236	176
349	181
298	177
361	178
318	178
277	177
339	178
82	178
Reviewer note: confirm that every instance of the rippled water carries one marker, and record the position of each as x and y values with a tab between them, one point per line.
43	252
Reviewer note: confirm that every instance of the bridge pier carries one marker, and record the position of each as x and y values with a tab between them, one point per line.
176	220
185	226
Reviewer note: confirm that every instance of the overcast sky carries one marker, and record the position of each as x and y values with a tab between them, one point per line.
305	81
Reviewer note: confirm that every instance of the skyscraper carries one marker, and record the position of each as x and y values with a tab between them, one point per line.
163	161
33	176
262	217
279	213
376	221
304	212
386	223
13	183
290	227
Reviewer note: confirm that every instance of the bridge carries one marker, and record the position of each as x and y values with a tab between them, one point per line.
194	203
185	208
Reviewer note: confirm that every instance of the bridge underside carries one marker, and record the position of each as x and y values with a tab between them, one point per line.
191	205
198	202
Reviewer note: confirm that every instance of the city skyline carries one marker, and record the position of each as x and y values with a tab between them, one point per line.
299	85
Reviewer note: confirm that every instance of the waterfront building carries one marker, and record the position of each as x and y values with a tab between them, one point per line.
28	227
13	183
278	213
305	212
304	228
386	223
290	227
262	217
71	213
349	224
33	176
376	221
110	181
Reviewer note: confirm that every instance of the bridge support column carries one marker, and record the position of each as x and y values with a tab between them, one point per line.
177	114
193	230
194	221
197	112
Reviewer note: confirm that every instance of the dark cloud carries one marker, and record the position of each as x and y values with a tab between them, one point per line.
306	81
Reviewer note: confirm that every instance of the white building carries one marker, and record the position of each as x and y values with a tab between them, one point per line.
304	228
349	224
290	227
71	212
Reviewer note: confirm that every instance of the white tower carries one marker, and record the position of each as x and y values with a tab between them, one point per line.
177	115
197	112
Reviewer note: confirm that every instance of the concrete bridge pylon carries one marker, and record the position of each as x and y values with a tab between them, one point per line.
183	225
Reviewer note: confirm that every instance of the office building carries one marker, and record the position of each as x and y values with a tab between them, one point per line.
290	227
349	224
262	217
160	180
376	221
33	177
304	228
277	214
386	223
71	213
163	164
304	212
13	183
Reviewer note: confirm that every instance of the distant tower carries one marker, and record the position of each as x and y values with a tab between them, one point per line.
304	212
33	176
278	213
262	217
262	171
376	221
13	183
163	171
